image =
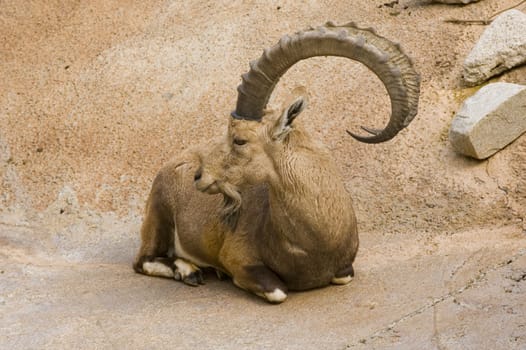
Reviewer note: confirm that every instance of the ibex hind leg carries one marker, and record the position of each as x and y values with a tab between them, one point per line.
156	254
261	281
343	276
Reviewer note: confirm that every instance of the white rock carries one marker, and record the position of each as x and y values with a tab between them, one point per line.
455	1
489	120
501	47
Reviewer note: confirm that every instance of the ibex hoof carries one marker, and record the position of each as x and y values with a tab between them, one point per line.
275	297
188	273
343	276
342	280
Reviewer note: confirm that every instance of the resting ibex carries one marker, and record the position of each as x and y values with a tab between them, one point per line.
285	219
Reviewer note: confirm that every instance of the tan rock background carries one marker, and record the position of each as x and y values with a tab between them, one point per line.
97	95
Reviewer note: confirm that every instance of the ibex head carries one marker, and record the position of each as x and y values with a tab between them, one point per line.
247	154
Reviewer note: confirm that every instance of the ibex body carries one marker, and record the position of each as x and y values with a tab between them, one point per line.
286	219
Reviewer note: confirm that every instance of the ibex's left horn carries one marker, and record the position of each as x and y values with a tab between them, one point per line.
383	57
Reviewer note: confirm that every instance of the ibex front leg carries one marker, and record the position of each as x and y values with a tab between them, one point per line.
240	258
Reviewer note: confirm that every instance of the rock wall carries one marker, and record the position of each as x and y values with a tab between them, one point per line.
97	95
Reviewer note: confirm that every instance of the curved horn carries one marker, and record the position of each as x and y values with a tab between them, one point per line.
385	58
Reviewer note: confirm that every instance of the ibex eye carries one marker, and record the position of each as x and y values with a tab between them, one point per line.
240	142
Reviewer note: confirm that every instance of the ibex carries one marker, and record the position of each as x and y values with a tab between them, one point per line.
285	220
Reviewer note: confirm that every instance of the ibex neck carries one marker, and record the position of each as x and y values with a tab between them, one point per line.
308	195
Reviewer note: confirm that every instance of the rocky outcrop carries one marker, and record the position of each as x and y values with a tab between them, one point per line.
501	47
489	120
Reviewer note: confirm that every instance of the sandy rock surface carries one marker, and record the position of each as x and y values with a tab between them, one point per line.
96	95
489	120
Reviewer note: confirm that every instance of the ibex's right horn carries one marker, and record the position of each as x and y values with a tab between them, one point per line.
383	57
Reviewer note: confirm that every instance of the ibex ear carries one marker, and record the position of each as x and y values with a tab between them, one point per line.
283	125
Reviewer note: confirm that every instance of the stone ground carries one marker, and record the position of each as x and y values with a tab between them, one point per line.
96	95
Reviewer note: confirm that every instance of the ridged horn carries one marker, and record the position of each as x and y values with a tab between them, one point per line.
385	58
